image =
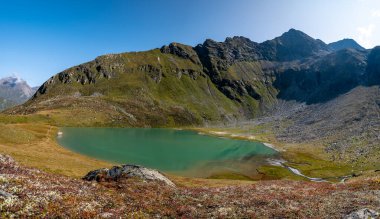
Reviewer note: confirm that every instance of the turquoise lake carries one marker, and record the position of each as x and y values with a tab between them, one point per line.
180	152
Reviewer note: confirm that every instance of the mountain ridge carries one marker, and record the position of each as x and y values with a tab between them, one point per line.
250	75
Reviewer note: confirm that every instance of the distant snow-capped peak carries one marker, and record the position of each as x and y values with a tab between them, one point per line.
13	87
11	81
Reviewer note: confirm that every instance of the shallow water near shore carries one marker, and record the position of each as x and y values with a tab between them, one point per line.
180	152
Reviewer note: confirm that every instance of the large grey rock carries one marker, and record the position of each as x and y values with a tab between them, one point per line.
364	213
127	171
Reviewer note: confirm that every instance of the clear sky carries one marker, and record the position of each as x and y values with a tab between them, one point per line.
40	38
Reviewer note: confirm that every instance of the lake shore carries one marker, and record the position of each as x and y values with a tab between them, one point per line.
179	152
31	140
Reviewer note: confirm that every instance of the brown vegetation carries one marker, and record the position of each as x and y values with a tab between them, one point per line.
33	193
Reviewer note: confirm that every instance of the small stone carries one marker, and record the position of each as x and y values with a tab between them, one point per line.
224	211
5	194
106	215
364	213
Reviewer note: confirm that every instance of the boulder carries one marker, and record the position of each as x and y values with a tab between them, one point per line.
364	213
127	171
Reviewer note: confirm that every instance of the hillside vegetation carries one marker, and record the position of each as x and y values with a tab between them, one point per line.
34	193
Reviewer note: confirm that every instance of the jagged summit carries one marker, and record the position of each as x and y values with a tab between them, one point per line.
293	45
240	39
295	33
345	44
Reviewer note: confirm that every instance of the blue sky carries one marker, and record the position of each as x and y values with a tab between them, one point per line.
40	38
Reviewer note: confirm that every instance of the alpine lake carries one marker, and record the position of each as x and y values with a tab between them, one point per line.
180	152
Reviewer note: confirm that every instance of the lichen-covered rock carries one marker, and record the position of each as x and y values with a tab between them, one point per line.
364	213
127	171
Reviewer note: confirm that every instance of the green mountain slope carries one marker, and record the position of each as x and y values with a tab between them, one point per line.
211	83
139	89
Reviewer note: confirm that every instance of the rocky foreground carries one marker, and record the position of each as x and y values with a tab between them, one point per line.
26	192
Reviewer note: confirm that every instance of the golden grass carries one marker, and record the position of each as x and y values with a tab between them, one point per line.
34	145
200	182
65	117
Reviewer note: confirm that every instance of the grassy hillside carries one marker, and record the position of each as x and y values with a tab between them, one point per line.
135	89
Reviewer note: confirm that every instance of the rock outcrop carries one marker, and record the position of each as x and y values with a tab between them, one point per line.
127	171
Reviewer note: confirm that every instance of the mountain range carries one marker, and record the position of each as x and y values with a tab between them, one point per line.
14	91
302	88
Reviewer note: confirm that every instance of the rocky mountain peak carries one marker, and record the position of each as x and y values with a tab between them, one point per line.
345	44
293	45
238	40
295	34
